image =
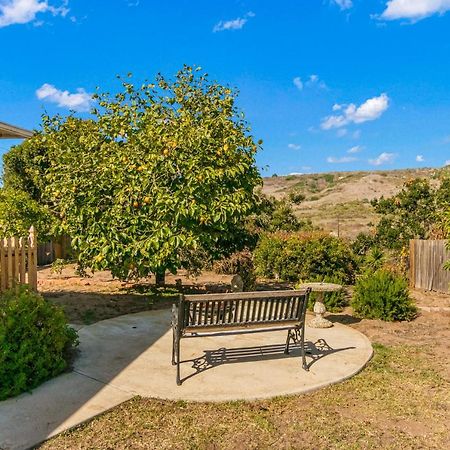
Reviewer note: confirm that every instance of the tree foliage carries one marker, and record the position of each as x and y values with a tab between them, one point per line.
417	211
18	211
21	201
304	256
160	172
276	215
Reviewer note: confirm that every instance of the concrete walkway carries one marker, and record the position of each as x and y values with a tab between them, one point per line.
130	355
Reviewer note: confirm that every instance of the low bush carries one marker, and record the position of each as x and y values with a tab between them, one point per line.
308	256
383	295
239	263
35	341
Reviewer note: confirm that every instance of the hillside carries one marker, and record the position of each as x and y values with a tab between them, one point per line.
342	199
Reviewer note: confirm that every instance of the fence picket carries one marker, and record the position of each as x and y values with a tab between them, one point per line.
18	261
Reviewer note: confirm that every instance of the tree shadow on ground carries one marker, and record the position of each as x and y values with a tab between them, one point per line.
344	319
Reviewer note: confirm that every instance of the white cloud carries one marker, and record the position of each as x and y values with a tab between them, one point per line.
312	81
78	101
371	109
294	146
24	11
298	83
414	10
235	24
355	149
447	163
341	160
420	158
383	158
342	132
343	4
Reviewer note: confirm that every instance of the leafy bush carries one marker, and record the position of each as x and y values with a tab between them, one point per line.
308	256
274	215
239	263
363	243
383	295
34	341
296	197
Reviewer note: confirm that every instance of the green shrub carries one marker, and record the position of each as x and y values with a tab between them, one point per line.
383	295
296	197
308	256
34	341
239	263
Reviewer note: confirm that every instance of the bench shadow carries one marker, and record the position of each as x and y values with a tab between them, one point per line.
214	358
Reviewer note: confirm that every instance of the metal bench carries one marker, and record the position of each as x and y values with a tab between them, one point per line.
240	312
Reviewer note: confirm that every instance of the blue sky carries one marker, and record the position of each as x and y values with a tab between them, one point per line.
327	84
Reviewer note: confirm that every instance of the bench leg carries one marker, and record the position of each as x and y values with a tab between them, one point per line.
178	361
173	346
288	340
302	346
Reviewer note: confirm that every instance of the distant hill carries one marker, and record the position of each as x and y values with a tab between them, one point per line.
342	199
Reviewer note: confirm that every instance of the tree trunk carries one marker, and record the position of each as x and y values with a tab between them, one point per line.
160	278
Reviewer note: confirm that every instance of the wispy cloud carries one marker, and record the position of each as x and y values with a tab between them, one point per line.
420	158
312	81
414	10
383	158
298	83
234	24
294	146
371	109
354	149
24	11
447	163
341	160
343	4
78	101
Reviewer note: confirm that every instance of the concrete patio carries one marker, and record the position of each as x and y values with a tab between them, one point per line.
130	355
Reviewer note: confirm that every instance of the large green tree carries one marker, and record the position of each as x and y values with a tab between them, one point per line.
160	172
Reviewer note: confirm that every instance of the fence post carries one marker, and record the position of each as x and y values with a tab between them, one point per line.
32	259
412	263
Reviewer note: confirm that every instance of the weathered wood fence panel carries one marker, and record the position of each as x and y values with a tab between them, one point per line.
46	253
18	261
427	259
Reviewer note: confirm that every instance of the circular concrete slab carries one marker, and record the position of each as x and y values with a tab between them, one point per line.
133	353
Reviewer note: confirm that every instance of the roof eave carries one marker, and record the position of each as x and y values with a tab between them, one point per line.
8	131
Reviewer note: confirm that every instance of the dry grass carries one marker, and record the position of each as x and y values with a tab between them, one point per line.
399	401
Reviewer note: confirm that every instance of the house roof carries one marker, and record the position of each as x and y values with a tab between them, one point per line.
8	131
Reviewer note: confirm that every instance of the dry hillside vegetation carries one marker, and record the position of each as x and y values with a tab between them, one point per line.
342	197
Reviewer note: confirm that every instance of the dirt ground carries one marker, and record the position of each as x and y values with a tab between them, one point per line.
99	297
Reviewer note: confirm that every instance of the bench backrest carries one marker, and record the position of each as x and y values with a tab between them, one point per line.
242	309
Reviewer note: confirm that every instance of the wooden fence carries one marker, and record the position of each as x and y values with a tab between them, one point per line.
427	259
18	261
